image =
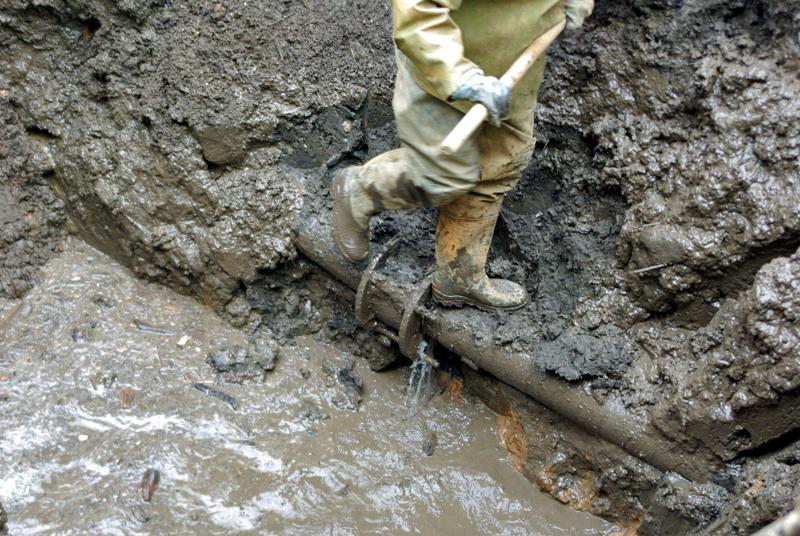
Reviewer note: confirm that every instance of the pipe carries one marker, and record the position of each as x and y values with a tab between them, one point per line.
789	525
514	368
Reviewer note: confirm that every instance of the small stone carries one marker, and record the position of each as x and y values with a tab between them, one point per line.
149	484
263	353
228	359
83	437
103	301
183	341
430	442
242	363
351	384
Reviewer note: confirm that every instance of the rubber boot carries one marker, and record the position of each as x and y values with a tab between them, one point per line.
352	208
463	237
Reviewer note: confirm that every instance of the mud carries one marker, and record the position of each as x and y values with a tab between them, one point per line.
766	490
218	106
288	460
657	226
31	217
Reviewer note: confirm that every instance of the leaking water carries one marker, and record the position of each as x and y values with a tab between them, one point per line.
103	431
420	389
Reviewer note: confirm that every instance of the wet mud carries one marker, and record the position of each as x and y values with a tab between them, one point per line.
104	431
31	216
657	227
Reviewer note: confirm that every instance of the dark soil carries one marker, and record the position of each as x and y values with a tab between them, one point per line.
657	227
31	217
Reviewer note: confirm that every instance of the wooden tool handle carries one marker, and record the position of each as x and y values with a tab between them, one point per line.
472	121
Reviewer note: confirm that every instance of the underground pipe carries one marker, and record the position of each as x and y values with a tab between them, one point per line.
514	368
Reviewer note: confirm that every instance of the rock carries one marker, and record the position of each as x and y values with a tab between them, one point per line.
232	359
263	353
347	384
430	442
238	363
150	482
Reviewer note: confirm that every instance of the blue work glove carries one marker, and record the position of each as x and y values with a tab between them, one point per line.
486	90
576	11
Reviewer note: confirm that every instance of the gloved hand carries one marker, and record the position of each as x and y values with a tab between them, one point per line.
577	11
486	90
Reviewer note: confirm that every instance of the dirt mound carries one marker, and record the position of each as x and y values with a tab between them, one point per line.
177	129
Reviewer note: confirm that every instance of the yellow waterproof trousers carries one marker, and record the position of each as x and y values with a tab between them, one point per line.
418	174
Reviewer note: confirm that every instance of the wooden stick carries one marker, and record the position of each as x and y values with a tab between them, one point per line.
472	121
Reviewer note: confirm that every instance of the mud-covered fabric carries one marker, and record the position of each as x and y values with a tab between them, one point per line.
576	12
426	33
464	233
419	174
441	40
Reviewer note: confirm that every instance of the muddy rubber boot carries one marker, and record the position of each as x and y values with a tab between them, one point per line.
463	236
350	219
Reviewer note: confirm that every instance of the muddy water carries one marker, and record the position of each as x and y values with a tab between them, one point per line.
95	389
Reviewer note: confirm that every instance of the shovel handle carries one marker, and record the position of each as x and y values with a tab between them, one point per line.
472	121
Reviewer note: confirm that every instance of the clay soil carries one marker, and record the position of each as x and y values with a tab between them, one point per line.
657	227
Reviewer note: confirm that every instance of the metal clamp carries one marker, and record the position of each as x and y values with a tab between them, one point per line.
364	313
409	334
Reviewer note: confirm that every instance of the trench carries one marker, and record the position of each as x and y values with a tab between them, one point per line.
98	391
388	299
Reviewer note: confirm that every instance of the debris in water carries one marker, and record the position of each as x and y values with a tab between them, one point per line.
150	482
103	381
126	396
79	336
183	341
430	442
203	388
147	328
103	301
352	384
140	514
3	518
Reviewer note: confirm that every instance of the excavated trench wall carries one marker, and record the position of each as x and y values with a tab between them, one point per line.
657	227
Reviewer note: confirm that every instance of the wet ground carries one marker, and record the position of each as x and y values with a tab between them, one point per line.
97	385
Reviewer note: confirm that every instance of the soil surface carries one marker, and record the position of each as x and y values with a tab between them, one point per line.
657	227
106	431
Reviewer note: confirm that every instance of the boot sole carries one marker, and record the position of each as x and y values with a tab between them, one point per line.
456	301
336	240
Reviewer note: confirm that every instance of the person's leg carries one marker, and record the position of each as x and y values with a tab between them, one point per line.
466	225
415	175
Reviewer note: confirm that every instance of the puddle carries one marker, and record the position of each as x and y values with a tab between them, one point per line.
90	400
